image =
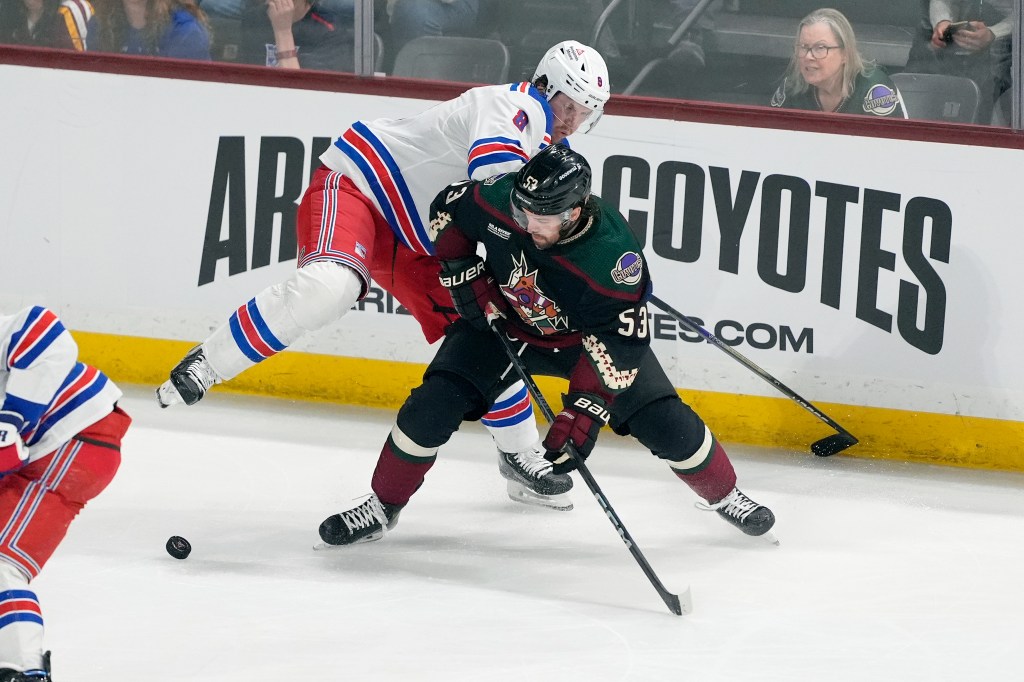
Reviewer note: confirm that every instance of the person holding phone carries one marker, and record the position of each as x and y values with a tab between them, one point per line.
967	38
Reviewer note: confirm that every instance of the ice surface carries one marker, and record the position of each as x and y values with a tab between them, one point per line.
885	572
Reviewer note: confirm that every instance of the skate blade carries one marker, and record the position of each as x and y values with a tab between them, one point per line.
324	546
522	494
167	395
770	538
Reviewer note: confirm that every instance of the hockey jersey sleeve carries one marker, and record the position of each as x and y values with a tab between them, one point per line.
452	238
613	347
611	314
38	353
507	130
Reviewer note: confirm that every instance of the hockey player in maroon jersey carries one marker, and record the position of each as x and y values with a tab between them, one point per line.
60	440
364	216
567	275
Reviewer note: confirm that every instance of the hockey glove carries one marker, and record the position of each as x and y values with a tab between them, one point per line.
578	423
472	289
13	452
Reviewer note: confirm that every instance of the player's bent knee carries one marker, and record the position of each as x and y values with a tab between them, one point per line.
321	292
668	428
12	577
436	408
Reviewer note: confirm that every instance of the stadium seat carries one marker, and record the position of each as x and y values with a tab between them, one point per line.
449	58
938	97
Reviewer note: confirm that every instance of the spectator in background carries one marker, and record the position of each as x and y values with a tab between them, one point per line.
414	18
158	28
295	34
827	72
971	39
67	24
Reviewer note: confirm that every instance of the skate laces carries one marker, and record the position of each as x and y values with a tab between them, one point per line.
735	504
365	515
200	371
532	462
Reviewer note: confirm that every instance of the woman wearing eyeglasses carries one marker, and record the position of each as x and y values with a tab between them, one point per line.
827	72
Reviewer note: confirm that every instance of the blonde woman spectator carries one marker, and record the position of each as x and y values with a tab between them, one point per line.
161	28
827	72
67	24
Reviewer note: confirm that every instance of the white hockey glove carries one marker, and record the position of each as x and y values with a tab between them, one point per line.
13	452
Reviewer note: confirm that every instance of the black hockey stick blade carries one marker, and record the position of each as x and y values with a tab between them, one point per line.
825	447
830	445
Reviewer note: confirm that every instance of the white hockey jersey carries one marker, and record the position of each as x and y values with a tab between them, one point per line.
42	381
401	164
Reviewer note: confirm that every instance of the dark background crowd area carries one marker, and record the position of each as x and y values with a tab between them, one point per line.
731	51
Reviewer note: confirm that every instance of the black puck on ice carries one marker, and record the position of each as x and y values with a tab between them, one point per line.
178	547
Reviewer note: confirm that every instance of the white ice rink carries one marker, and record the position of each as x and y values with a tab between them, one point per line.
885	571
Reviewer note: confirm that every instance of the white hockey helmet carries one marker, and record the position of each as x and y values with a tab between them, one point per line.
579	71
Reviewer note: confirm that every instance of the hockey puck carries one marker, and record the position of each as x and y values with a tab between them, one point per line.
178	547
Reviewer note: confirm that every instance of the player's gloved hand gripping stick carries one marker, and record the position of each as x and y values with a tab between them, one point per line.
677	604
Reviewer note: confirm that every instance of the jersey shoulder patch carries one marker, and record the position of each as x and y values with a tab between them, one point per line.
880	100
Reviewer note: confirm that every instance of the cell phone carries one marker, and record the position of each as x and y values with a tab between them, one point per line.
947	35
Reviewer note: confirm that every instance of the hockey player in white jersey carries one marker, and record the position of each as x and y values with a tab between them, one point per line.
364	216
60	440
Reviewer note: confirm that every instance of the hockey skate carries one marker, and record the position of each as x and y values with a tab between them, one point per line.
190	380
530	480
8	675
368	521
741	511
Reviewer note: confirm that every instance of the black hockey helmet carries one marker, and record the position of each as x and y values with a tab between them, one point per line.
554	181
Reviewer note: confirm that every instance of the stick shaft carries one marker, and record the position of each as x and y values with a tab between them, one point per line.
671	600
736	355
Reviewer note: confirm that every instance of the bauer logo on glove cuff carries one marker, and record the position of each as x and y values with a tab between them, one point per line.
584	404
464	277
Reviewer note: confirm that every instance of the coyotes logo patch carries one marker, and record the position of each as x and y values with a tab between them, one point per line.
527	299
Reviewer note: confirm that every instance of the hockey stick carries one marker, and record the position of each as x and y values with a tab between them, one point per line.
675	604
827	446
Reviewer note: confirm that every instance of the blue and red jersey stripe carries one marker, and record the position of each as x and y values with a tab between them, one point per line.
19	605
387	184
252	334
35	336
81	385
510	411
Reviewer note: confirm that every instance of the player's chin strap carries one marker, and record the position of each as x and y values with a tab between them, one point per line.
677	604
825	447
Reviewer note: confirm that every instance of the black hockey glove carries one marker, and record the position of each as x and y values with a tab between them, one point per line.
579	423
472	289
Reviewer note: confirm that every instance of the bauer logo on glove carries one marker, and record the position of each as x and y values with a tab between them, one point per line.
577	425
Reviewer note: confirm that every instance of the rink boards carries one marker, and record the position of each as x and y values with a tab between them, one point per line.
875	277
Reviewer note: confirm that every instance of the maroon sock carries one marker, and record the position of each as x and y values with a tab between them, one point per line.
398	474
714	478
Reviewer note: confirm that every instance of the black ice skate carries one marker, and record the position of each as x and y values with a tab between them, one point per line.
741	511
530	480
190	380
366	522
8	675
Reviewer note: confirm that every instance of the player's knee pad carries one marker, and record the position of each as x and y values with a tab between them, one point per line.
320	293
11	577
669	429
436	408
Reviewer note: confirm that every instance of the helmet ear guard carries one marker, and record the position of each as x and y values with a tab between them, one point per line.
577	71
